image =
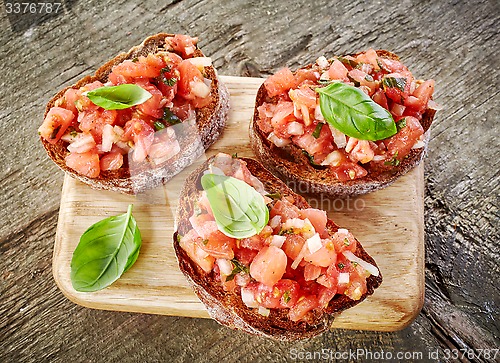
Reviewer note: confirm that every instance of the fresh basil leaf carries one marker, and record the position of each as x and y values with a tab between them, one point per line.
105	251
158	125
354	113
401	123
239	210
275	195
118	97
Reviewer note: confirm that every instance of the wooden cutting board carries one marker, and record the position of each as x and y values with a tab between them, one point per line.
389	223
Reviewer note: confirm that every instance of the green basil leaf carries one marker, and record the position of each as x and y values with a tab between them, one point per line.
105	251
354	113
317	130
394	82
239	210
118	97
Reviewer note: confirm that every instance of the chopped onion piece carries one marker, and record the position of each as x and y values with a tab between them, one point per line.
278	141
275	221
277	241
200	89
300	256
379	158
332	159
322	62
367	266
264	311
418	144
318	115
434	106
248	298
295	128
314	243
225	266
201	61
339	138
343	278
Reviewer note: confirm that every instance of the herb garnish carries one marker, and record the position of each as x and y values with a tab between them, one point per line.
118	97
105	251
354	113
394	161
401	123
275	195
286	296
239	210
170	117
317	130
340	265
158	125
394	82
238	267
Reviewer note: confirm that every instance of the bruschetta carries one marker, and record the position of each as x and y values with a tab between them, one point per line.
343	126
260	258
143	117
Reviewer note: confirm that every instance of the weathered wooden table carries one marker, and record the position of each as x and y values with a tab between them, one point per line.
454	42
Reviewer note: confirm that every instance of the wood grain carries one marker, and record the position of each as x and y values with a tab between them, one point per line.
454	42
156	285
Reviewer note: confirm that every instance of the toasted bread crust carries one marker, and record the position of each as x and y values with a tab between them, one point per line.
210	122
228	308
291	165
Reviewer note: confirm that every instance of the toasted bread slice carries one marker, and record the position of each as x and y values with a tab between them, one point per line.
210	122
292	165
228	308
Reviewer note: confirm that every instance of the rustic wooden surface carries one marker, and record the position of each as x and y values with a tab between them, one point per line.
156	285
454	42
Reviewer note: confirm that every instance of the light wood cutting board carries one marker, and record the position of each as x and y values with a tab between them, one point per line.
388	223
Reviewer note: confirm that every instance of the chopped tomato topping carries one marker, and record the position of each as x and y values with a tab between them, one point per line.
177	89
285	266
294	115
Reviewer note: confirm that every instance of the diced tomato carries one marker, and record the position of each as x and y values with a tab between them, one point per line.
245	255
200	257
142	134
111	161
322	145
404	140
255	242
341	241
153	106
280	82
317	217
305	76
189	75
293	245
348	170
266	112
183	44
55	124
395	93
391	65
370	57
144	67
421	96
323	257
69	98
303	306
303	95
326	295
93	121
218	245
86	164
337	71
380	98
269	265
311	272
284	209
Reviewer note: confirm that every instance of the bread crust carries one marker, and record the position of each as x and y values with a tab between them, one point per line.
193	139
228	308
292	166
